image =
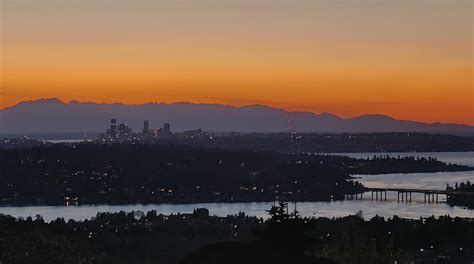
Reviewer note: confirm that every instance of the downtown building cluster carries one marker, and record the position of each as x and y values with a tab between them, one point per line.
122	132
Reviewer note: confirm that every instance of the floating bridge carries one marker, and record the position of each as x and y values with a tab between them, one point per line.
404	194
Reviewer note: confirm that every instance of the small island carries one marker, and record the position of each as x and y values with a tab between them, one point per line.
467	201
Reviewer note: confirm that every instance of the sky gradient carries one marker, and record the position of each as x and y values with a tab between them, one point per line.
410	59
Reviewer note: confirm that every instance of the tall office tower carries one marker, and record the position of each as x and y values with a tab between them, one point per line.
167	128
123	131
113	124
146	127
112	132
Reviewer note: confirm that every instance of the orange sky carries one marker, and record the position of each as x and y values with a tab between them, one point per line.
408	59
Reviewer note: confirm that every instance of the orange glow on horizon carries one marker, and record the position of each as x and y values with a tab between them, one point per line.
343	58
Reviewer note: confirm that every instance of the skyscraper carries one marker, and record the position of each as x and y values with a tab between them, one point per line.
167	128
146	127
123	131
113	124
112	132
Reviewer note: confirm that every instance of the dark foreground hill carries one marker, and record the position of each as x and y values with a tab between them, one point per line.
248	253
149	238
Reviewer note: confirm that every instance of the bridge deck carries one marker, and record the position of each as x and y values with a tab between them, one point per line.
425	191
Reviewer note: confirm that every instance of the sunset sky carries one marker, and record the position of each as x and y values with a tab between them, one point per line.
410	59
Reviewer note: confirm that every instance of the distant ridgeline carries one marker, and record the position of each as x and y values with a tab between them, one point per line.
54	115
294	142
89	173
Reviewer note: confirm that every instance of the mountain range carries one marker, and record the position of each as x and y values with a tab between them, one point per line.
56	116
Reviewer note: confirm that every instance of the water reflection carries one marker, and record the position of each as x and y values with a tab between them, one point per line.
435	181
369	208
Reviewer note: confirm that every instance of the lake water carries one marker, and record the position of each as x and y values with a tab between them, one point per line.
415	209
